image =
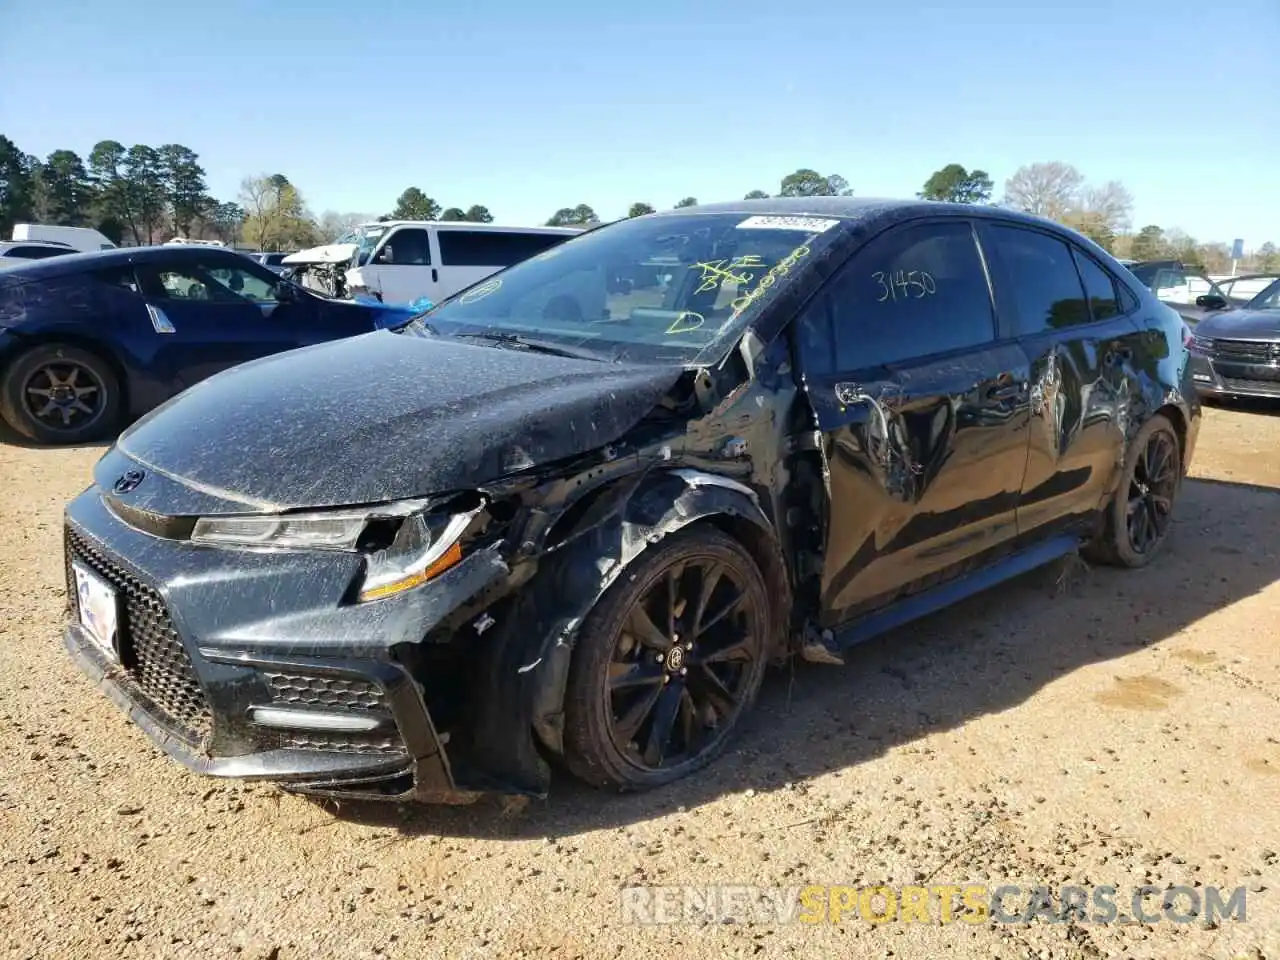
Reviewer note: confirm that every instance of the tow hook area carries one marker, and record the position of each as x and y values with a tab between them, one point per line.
819	646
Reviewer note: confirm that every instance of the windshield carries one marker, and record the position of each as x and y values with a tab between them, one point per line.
671	289
1268	299
365	239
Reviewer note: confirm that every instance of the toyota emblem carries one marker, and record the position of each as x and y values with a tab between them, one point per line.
129	481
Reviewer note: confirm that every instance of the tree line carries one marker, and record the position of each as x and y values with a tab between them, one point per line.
143	194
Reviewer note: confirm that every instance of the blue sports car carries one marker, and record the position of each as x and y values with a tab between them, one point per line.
90	341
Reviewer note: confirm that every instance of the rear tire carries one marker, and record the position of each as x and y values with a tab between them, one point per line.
1137	519
667	663
56	393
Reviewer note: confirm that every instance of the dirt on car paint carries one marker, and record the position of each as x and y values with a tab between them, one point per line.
1079	726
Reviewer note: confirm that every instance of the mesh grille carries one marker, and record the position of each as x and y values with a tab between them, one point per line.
1252	386
308	691
152	654
344	743
296	689
1246	351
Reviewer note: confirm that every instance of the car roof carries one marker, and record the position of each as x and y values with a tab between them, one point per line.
859	210
74	263
56	244
467	225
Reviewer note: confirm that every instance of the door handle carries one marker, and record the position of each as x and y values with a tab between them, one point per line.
435	277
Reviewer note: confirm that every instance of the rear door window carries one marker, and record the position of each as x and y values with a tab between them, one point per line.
491	248
911	292
1038	279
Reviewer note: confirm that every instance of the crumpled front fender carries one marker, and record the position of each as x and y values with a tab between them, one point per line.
526	666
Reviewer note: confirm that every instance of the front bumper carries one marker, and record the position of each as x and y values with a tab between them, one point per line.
1231	369
206	635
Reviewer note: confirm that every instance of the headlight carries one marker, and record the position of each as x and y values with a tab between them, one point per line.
421	547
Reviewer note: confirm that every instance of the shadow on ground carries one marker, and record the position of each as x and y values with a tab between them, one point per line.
984	656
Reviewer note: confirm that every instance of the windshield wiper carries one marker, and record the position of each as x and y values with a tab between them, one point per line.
534	345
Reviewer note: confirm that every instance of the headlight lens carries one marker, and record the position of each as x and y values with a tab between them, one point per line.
423	547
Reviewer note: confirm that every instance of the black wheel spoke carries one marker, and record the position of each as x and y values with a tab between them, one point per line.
664	722
623	676
646	631
737	651
675	602
710	580
629	724
710	688
724	610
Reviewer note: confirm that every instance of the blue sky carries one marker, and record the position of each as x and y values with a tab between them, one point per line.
527	107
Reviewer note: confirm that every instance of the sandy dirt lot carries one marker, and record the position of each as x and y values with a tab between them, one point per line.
1080	726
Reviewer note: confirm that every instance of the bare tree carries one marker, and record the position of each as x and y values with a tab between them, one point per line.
1047	189
1112	203
259	196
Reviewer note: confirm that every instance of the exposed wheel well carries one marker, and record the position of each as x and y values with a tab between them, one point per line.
765	552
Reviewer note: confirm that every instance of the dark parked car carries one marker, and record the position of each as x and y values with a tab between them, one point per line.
1236	353
1240	290
1187	289
575	510
88	340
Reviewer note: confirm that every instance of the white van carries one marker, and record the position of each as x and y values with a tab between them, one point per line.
82	239
400	261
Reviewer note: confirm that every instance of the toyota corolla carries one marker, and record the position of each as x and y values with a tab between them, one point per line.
572	513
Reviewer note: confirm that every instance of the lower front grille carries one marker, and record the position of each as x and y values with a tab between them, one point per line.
1269	387
1245	351
154	659
344	743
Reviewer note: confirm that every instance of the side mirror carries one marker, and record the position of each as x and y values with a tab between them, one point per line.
1211	301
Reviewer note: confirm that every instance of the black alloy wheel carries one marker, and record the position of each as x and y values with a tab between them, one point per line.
1152	488
64	395
671	658
57	393
1136	521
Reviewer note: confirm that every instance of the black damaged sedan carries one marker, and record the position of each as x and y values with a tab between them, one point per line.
571	514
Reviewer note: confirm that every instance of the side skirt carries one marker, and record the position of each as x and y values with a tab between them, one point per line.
944	595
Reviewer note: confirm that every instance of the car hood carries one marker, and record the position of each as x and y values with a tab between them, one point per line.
378	417
1241	324
328	253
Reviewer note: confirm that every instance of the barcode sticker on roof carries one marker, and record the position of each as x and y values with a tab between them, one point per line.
808	224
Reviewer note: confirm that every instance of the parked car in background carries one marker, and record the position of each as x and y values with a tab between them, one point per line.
1240	290
81	239
1236	352
273	261
1187	289
400	261
16	254
90	340
575	510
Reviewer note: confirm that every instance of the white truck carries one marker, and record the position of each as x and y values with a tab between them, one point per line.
81	239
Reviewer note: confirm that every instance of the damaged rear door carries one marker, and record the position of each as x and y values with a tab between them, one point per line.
923	414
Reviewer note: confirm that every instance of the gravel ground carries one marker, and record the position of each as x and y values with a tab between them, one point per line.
1082	726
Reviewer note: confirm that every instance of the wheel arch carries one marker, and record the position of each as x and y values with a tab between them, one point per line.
25	342
526	662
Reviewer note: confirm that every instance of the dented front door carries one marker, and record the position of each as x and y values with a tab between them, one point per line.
923	416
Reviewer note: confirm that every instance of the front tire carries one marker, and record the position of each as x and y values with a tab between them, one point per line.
1137	519
668	662
56	393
